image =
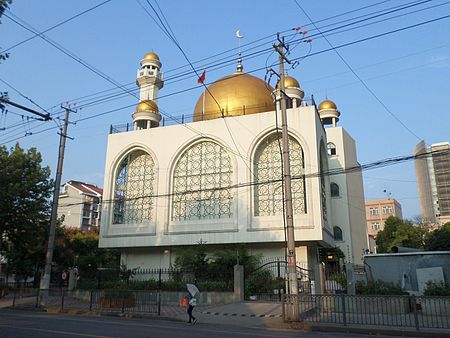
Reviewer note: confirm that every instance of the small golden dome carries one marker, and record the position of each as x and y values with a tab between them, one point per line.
151	56
147	105
327	104
289	82
237	94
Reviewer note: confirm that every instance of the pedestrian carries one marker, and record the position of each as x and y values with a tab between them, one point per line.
192	304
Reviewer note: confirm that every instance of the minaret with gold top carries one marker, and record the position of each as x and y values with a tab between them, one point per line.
150	81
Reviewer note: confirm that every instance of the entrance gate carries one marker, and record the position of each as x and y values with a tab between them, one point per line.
268	282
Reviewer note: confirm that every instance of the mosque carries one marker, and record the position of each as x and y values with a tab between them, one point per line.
217	179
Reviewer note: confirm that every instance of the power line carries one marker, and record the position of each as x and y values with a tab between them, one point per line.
327	173
358	77
167	80
56	26
329	49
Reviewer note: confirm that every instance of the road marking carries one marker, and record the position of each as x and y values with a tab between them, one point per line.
135	322
54	331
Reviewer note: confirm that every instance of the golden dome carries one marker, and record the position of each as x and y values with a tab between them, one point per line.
327	104
289	82
151	56
147	105
237	94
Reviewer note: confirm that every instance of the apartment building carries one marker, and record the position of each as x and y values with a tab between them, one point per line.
80	204
377	211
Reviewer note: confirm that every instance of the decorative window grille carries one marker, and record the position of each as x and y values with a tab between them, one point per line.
134	187
268	175
202	183
323	169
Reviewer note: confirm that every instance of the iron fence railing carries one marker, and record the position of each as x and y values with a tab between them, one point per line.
123	301
398	311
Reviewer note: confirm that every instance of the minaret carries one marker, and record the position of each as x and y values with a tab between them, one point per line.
329	114
150	81
293	92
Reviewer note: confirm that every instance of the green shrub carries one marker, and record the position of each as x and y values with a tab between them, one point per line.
379	288
437	289
260	282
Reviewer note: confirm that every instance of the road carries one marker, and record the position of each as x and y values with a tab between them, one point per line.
14	323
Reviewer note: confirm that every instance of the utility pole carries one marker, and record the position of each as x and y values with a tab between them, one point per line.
292	310
45	283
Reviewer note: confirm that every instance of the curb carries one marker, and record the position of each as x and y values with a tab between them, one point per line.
239	314
379	331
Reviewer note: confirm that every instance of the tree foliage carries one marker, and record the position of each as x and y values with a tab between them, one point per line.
439	239
25	189
212	263
398	232
74	247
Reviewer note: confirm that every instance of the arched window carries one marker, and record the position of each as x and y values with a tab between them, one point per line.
334	189
331	149
133	190
201	181
267	172
337	233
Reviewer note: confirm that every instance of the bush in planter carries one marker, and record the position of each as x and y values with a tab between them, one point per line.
437	289
117	298
379	288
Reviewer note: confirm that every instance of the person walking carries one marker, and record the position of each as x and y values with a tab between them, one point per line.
192	304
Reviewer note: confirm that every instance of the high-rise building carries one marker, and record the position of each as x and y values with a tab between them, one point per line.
433	181
377	211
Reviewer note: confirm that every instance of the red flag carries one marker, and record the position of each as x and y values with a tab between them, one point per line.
202	77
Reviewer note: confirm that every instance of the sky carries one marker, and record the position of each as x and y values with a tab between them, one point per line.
405	74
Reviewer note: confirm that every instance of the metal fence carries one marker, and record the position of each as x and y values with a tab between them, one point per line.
119	301
398	311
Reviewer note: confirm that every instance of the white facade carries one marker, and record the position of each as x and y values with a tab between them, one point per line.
216	181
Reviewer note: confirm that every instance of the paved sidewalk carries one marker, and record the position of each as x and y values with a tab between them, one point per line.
248	314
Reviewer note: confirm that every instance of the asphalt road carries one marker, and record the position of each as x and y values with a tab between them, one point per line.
14	323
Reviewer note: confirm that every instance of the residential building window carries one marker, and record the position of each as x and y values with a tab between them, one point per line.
331	149
374	211
268	193
388	210
334	188
337	233
202	183
376	226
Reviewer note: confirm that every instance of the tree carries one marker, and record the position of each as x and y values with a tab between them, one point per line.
398	232
438	239
74	247
25	189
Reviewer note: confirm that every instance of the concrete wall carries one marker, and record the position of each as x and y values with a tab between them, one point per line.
401	268
347	210
165	144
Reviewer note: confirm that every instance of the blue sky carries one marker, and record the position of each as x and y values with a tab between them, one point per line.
409	71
